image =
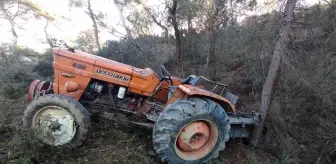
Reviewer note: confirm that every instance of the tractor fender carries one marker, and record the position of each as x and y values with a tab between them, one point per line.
195	91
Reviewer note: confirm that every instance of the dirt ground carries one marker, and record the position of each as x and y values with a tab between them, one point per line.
109	142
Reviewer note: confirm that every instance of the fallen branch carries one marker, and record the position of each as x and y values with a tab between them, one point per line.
318	160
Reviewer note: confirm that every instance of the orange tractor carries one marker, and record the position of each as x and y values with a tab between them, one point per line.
192	118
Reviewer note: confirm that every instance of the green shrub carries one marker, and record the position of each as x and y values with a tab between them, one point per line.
44	66
16	84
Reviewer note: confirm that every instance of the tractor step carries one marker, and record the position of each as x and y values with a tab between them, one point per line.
243	118
242	124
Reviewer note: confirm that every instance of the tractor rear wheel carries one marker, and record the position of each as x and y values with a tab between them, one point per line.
191	131
57	120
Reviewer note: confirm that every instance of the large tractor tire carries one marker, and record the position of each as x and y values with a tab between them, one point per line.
57	120
191	131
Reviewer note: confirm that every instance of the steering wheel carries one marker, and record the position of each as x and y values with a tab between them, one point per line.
165	75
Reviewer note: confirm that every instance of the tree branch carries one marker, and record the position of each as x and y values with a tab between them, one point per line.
134	44
157	22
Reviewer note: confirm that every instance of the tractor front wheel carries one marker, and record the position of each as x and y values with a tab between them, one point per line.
57	120
191	131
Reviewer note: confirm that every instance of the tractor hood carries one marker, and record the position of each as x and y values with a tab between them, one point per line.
94	60
80	56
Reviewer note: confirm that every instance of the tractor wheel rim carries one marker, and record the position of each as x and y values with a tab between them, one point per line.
196	139
54	125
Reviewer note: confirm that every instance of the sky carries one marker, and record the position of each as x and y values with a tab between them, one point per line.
33	35
61	29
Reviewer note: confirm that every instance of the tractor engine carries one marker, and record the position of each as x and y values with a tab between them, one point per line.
115	97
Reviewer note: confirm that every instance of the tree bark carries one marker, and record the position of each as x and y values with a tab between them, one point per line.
178	40
95	27
279	50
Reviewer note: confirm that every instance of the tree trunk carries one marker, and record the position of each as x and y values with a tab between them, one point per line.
189	21
212	33
279	50
128	31
212	46
178	40
14	34
92	16
51	45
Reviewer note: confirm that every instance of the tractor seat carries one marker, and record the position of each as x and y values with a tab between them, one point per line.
191	80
